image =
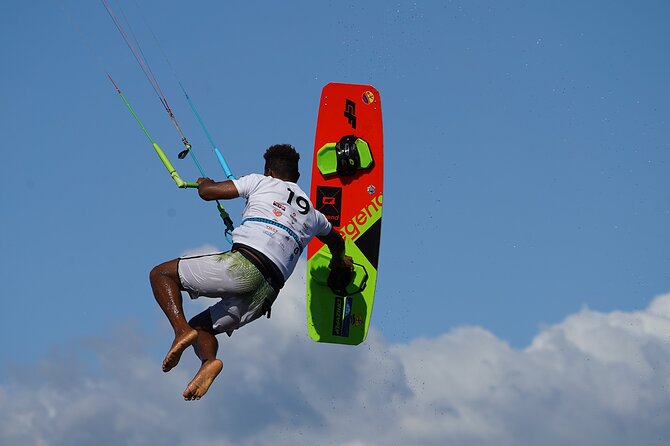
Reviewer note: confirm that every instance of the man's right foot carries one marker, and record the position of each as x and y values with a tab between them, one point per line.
180	343
197	388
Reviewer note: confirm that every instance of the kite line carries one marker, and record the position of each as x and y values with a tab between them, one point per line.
133	45
217	152
166	162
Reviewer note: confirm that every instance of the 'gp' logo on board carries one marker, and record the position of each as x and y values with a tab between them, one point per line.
350	113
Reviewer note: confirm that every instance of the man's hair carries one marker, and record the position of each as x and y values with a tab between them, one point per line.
283	160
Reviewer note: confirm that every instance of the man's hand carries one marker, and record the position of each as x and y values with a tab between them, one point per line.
341	273
343	262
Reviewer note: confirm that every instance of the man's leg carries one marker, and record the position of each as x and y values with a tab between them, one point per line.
167	289
205	347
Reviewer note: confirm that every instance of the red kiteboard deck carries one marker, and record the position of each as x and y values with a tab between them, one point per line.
351	199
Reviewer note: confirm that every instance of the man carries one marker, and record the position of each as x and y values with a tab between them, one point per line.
278	222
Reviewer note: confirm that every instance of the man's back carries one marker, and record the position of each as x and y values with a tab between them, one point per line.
278	219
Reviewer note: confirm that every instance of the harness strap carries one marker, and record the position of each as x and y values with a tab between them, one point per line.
288	230
268	269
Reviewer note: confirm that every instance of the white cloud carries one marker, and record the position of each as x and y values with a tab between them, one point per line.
593	379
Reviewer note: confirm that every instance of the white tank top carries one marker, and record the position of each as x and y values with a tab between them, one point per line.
278	219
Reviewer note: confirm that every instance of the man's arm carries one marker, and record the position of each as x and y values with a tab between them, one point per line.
216	190
341	265
335	244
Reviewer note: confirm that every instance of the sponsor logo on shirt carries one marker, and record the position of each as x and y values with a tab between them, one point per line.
279	205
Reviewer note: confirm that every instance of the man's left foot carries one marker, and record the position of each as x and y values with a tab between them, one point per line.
209	370
180	343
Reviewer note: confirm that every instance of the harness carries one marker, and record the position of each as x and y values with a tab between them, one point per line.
268	269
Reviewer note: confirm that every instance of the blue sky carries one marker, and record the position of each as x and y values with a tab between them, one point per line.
527	205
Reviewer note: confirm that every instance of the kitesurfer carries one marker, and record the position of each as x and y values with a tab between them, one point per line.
278	222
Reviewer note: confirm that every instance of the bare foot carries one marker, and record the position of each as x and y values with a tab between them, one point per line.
180	343
209	370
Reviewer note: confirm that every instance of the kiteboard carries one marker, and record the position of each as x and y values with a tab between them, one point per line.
347	187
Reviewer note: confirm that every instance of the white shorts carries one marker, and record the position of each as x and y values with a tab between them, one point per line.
231	277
